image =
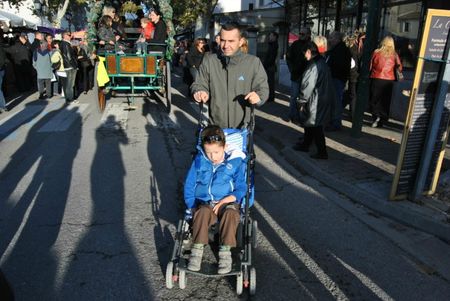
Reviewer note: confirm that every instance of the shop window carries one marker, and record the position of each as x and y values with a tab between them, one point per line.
261	3
405	27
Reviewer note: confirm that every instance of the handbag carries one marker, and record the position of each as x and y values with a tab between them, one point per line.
303	113
398	75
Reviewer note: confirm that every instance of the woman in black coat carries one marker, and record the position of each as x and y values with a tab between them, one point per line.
195	56
317	94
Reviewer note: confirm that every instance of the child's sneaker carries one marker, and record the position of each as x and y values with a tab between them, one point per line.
225	262
195	260
138	52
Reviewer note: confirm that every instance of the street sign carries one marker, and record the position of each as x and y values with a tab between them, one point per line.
426	127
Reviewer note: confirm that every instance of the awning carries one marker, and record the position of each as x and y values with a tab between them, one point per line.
16	21
3	19
49	30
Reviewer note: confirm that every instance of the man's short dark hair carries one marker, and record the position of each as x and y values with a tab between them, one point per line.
311	46
275	34
231	26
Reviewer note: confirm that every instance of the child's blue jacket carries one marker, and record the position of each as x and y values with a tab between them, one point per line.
206	182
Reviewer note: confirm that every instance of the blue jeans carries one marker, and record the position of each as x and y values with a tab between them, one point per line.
2	97
69	83
141	47
293	111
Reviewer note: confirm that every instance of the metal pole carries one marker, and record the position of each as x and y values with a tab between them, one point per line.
373	25
436	116
319	17
337	19
305	13
299	15
359	13
384	18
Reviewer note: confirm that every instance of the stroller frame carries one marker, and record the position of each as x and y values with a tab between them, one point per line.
242	267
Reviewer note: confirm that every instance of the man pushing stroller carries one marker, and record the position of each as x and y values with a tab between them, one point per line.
229	82
215	186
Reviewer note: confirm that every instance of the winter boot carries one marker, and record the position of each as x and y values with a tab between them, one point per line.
225	262
195	260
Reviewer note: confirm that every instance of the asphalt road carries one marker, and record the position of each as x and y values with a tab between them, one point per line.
89	205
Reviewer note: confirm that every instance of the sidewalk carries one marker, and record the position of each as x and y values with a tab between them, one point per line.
360	168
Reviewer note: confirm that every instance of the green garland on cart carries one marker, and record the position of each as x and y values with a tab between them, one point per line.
167	11
95	13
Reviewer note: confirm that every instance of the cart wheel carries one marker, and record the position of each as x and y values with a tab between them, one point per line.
167	86
101	99
252	288
169	274
254	234
182	279
239	284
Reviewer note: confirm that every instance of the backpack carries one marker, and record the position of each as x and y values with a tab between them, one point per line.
57	65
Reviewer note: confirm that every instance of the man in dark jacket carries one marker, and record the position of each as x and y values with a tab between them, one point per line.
230	81
20	55
297	64
38	38
70	64
339	61
270	63
314	102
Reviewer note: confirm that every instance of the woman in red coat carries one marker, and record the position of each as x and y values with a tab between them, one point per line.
382	75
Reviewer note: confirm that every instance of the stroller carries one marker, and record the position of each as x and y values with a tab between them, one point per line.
246	234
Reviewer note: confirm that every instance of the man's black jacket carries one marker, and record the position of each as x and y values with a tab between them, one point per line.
69	56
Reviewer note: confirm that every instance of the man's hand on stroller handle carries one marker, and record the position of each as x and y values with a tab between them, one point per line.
201	96
252	98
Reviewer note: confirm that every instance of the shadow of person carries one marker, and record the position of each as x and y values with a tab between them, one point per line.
169	160
9	124
104	260
33	223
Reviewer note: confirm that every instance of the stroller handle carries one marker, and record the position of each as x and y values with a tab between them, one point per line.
203	118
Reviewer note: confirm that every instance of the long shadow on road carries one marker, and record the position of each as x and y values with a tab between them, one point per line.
104	264
33	222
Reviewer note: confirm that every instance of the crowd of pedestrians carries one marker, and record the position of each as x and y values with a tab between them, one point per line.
324	76
53	66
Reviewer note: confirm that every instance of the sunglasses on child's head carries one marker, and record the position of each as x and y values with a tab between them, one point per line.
212	138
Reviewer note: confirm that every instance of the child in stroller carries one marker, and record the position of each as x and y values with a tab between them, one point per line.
214	188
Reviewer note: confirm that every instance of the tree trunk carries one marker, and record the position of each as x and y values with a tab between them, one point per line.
60	14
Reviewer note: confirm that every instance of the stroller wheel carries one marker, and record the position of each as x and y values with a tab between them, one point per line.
252	287
169	275
239	284
254	234
182	279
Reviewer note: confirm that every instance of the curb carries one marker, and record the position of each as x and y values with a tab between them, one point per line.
366	198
